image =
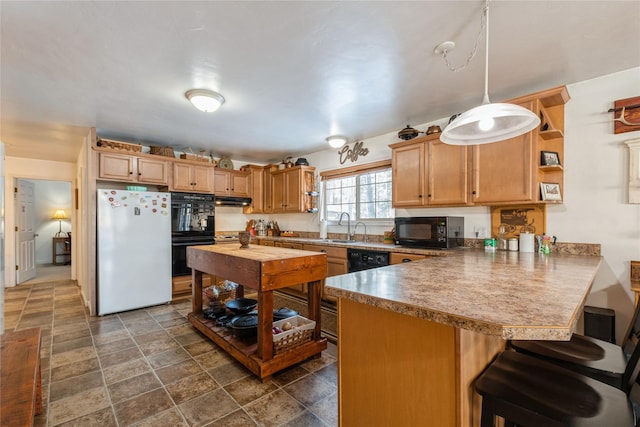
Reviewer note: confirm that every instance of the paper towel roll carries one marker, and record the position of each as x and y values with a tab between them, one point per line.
527	242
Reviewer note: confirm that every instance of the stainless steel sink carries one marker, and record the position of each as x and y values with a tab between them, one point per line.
340	241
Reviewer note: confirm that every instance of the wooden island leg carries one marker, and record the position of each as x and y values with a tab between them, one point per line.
315	294
196	291
265	325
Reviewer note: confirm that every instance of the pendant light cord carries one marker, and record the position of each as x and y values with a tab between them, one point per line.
485	99
473	52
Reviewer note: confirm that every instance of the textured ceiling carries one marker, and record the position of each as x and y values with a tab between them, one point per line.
292	73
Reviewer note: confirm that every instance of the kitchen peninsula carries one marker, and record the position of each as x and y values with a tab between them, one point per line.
263	269
413	337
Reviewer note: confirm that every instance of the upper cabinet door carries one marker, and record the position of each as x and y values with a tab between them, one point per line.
119	167
153	171
447	172
203	178
408	179
503	171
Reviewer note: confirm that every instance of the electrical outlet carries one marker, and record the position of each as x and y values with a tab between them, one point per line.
635	271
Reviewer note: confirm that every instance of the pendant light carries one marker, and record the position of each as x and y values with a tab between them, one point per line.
489	122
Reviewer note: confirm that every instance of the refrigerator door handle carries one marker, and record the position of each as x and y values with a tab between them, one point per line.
136	211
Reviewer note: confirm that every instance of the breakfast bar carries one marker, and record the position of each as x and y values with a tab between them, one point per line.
413	337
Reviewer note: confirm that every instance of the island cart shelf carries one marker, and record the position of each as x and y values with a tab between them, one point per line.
264	269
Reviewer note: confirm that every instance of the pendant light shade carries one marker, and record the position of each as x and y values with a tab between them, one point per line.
490	122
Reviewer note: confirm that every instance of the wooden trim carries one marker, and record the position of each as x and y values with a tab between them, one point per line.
355	170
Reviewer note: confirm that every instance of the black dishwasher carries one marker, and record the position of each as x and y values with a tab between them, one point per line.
362	259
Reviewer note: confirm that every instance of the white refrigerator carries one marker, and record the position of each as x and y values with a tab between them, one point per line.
134	249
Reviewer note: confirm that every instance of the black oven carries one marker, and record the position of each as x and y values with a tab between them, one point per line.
192	223
433	232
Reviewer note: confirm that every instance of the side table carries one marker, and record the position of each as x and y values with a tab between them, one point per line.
61	247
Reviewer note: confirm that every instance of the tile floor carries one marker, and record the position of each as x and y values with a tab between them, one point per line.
149	367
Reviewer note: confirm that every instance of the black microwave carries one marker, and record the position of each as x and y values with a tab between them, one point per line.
431	232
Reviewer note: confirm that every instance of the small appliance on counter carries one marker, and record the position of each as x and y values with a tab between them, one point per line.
430	232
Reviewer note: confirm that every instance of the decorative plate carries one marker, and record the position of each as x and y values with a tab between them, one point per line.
225	163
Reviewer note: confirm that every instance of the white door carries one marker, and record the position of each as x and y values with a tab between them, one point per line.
26	236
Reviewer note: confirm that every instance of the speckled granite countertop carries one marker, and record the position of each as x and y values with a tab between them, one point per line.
509	294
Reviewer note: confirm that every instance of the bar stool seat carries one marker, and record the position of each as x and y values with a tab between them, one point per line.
589	356
531	392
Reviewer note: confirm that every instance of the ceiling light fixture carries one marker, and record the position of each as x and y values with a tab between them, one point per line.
489	122
337	141
205	100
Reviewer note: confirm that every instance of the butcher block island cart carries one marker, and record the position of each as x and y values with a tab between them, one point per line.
264	269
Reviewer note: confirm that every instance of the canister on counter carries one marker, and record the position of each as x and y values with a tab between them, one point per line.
490	245
513	244
526	242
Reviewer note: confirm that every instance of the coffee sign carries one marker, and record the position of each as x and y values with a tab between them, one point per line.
346	153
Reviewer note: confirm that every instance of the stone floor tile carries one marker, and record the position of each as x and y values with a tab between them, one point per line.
180	370
306	419
168	357
68	387
237	418
200	411
131	387
100	418
274	409
78	405
122	371
309	389
327	409
228	373
74	369
169	418
142	406
191	387
72	356
249	389
72	345
121	356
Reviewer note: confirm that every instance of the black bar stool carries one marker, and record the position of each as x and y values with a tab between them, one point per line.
531	392
589	356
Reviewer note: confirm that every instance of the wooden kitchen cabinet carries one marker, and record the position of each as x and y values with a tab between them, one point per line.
337	263
181	285
191	177
427	172
510	171
292	189
229	182
127	168
259	190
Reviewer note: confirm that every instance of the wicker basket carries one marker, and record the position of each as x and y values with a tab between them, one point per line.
209	296
196	157
119	145
162	151
298	335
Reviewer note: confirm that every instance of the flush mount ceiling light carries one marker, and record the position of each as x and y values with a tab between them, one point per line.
337	141
205	100
489	122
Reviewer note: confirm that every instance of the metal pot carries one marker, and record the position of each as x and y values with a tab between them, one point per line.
433	129
408	133
283	313
244	326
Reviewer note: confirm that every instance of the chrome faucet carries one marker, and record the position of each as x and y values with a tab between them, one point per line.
349	235
365	230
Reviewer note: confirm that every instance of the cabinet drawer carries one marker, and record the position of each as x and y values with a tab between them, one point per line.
331	251
399	258
181	285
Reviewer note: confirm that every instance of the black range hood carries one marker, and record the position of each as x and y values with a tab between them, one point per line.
232	201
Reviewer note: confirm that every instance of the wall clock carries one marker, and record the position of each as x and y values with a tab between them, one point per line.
225	163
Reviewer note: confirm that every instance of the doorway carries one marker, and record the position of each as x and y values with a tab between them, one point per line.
43	227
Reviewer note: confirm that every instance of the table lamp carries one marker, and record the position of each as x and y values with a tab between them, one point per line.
60	215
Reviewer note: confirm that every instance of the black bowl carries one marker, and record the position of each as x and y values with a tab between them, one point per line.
302	162
242	305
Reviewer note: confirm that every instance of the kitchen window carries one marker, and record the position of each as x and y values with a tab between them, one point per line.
363	192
